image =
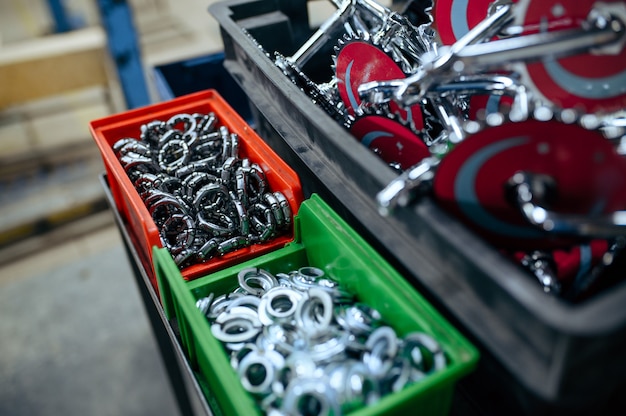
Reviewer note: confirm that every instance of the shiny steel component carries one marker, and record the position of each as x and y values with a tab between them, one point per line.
470	54
291	356
401	190
173	155
285	208
314	313
382	346
358	318
279	304
257	370
423	351
530	189
313	393
236	326
190	165
256	281
541	264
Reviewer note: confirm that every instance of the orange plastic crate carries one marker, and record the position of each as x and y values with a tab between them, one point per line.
280	177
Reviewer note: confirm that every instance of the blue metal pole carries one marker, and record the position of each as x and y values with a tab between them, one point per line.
59	15
116	17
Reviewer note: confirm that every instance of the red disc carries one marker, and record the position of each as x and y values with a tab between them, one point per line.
588	82
454	18
393	142
359	62
471	180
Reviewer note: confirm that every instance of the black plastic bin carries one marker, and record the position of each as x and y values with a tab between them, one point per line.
541	355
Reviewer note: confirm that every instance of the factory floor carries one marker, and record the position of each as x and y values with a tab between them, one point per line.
75	338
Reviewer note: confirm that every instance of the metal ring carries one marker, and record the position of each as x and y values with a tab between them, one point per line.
227	169
167	136
235	330
170	184
315	312
195	181
134	148
188	121
310	393
249	301
208	249
262	220
150	132
232	244
326	346
207	123
382	345
184	238
174	154
310	273
306	277
258	185
165	207
358	318
118	145
211	197
277	337
278	304
242	215
241	186
234	145
220	304
223	227
437	360
238	324
205	303
256	281
257	373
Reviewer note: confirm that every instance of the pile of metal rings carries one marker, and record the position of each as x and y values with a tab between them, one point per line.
204	198
301	344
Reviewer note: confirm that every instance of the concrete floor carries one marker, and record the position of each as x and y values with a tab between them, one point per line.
75	335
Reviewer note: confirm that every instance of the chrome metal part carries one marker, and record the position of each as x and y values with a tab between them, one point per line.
541	264
190	165
529	188
288	350
400	191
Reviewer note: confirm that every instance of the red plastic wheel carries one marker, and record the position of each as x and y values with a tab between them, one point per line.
393	142
454	18
589	82
471	180
359	62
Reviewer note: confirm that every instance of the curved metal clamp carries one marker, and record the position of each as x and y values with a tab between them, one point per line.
400	190
529	190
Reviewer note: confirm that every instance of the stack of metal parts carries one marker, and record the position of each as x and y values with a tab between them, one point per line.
302	344
510	114
205	198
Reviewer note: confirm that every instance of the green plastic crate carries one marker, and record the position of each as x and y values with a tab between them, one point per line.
324	240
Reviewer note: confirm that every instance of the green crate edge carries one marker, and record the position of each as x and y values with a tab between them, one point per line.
178	301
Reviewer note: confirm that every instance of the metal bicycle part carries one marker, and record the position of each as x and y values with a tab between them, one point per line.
411	90
470	54
401	190
528	188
